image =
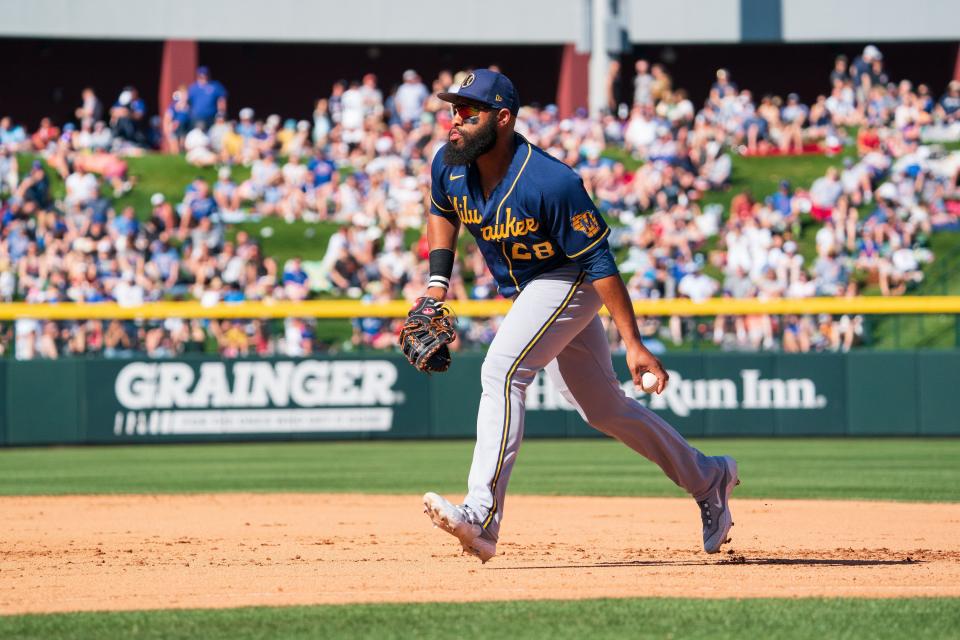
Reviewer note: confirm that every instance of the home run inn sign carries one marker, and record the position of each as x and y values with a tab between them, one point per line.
104	401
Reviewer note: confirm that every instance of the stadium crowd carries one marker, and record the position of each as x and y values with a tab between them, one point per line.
363	162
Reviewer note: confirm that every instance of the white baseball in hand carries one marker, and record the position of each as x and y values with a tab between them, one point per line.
648	382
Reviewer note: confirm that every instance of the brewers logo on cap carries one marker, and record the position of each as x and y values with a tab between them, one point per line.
484	87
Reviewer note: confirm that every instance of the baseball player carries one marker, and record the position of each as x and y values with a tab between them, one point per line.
546	245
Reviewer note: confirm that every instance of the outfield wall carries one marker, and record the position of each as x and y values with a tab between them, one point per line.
381	396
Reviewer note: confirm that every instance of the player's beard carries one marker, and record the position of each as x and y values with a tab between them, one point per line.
472	146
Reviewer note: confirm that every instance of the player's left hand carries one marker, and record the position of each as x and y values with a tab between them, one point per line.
425	335
639	359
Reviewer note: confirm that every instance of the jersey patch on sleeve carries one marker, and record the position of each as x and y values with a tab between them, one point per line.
586	223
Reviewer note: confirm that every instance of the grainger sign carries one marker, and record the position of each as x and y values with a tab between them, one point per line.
184	398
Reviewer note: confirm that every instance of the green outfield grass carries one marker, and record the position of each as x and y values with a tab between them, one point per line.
876	469
635	618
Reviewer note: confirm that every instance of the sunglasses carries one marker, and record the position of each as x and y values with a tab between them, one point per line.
468	113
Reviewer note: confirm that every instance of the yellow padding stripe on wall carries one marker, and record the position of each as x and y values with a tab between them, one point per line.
472	308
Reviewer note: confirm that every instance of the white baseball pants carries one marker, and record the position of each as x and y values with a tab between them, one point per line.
553	325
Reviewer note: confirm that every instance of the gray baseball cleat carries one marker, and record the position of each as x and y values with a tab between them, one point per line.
715	508
460	521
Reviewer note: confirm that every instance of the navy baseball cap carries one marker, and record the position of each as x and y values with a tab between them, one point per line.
489	88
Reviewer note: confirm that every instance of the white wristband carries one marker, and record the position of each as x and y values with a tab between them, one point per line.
439	281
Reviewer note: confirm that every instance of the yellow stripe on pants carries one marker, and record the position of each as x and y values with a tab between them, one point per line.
506	391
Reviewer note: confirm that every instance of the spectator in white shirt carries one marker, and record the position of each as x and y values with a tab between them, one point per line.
353	114
197	145
81	187
409	99
641	130
824	194
642	84
697	285
372	96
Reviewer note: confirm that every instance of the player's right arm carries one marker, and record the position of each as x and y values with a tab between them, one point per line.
443	224
441	234
639	359
580	231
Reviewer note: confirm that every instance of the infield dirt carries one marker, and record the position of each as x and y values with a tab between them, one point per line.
85	553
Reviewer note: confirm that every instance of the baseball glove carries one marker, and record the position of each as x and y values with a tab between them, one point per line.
425	335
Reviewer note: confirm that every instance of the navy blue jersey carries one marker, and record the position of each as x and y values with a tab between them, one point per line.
537	219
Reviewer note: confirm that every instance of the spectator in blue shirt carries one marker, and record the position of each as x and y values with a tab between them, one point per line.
166	261
17	240
782	200
206	98
949	106
861	67
247	128
126	115
841	70
295	280
176	121
321	169
234	293
723	82
12	136
293	272
322	174
36	186
927	102
197	205
125	225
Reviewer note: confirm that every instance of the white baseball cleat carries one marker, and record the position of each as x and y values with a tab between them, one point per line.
715	508
461	522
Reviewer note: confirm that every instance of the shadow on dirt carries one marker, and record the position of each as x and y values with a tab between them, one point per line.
729	560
